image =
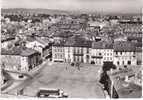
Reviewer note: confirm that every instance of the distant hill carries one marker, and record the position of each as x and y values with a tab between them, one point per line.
53	11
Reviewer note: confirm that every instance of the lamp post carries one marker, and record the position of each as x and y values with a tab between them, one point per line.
111	84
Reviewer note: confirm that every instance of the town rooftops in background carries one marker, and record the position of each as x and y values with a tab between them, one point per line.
7	38
129	22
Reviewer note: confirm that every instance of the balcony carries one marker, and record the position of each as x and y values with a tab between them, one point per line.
76	54
97	57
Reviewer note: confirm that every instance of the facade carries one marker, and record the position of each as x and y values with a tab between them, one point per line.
40	45
72	51
101	52
69	54
124	54
20	60
139	56
58	54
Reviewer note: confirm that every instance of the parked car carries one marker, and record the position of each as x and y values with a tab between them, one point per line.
51	93
21	76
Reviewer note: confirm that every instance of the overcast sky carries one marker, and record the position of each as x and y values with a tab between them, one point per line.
134	6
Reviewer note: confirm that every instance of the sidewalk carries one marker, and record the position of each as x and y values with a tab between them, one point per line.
6	85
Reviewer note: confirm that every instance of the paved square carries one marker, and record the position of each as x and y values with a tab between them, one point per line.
81	83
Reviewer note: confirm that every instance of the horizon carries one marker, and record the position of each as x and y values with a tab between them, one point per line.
105	6
77	11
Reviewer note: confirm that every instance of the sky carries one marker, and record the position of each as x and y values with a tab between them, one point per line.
130	6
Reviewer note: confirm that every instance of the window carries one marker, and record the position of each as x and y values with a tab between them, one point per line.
110	58
107	58
118	63
55	50
61	56
68	49
55	55
120	53
129	62
123	62
116	53
87	50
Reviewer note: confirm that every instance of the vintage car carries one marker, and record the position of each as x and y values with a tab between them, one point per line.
51	93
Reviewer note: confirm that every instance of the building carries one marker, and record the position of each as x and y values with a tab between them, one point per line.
41	45
6	42
20	59
79	49
124	53
58	53
101	52
120	86
74	49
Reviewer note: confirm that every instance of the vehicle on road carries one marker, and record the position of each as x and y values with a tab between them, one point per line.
51	93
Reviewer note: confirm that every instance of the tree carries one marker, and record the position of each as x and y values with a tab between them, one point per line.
77	64
107	66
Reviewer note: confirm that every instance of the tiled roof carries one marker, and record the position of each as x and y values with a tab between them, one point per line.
131	91
18	51
75	41
28	52
13	51
7	38
63	34
124	89
101	45
43	41
124	46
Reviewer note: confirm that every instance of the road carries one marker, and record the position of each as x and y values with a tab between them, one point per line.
20	84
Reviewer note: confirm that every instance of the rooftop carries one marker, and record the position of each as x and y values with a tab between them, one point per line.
101	45
124	46
42	41
124	89
75	41
18	51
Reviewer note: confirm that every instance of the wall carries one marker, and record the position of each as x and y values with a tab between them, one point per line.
124	57
12	62
58	54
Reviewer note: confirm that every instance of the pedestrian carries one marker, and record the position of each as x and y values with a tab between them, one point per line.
66	68
78	68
